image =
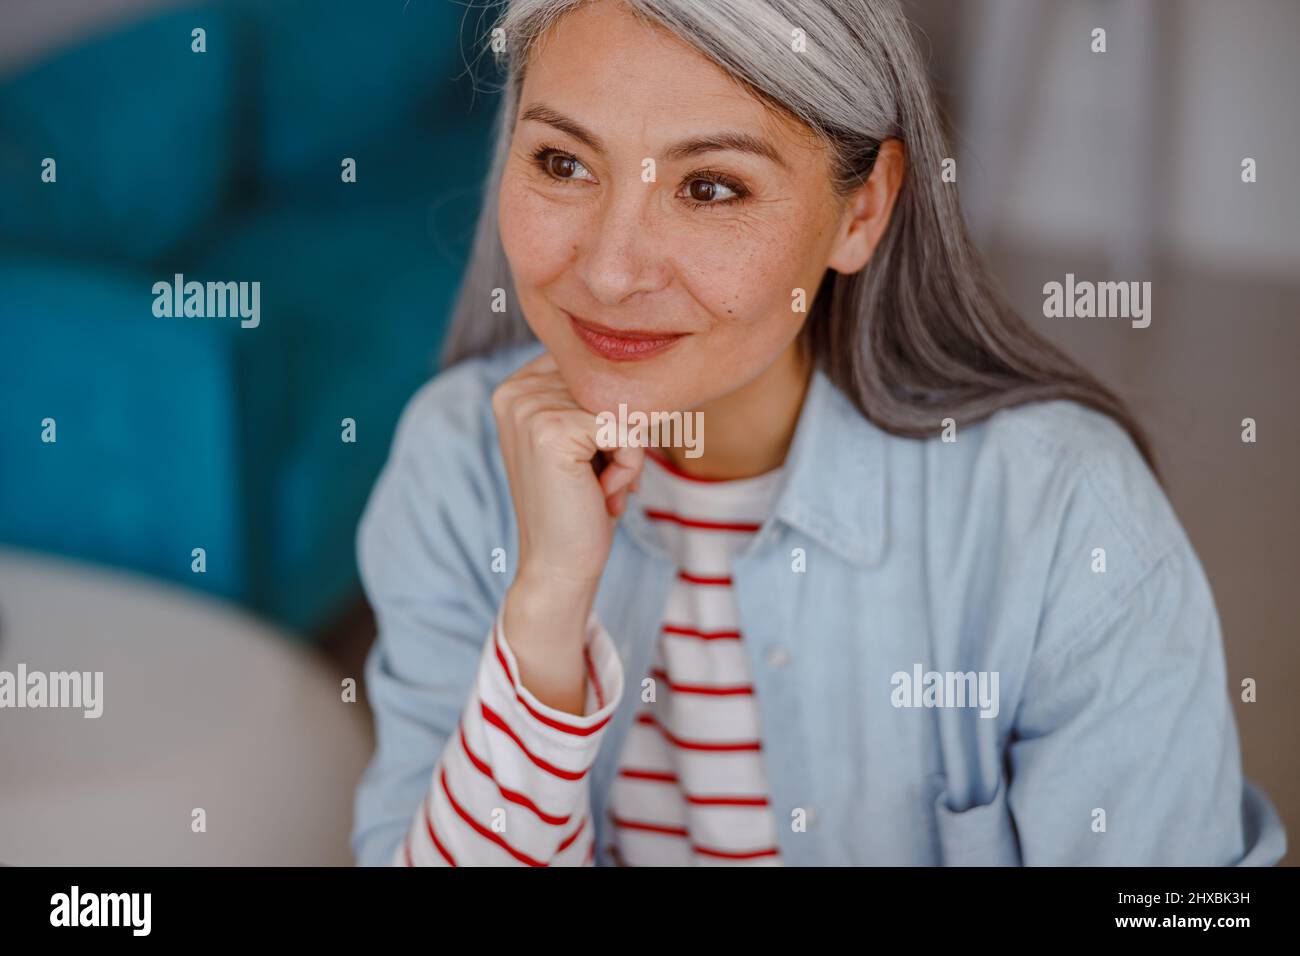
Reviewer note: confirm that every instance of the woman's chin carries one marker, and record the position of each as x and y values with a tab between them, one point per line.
606	392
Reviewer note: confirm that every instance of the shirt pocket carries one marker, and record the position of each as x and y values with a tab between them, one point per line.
980	835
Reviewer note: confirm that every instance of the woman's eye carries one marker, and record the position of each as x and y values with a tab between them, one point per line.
711	192
700	190
561	166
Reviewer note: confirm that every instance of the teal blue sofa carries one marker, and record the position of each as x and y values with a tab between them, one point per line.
177	433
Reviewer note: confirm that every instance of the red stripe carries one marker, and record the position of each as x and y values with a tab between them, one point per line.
568	842
680	631
543	718
730	855
591	674
659	775
482	830
671	467
702	524
406	850
428	824
702	850
649	827
646	718
724	581
591	851
714	691
493	718
512	795
727	801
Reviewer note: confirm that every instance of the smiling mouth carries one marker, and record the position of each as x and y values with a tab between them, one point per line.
622	345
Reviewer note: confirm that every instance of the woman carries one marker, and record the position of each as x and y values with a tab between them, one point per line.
915	598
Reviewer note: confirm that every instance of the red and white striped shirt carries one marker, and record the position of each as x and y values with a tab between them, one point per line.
691	787
511	786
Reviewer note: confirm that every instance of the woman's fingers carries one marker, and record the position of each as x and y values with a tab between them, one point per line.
616	504
624	468
513	390
536	398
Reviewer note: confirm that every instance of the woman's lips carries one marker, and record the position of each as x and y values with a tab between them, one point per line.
622	345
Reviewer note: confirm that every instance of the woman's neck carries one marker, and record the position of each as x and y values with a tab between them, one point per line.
748	432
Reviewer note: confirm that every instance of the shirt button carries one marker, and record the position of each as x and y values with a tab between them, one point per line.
777	656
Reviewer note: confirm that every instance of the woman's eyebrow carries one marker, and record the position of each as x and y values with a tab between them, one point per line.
730	140
541	113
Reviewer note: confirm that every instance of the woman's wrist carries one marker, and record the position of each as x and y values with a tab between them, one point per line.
549	611
546	630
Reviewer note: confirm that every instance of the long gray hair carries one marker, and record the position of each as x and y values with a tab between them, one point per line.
920	333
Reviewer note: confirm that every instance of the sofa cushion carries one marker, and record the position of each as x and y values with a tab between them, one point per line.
139	127
355	303
331	76
146	462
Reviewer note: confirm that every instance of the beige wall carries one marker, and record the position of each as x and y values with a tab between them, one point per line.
1125	166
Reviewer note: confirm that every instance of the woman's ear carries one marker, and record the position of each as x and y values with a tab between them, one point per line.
867	211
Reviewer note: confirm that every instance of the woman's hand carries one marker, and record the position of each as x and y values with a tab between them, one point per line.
566	515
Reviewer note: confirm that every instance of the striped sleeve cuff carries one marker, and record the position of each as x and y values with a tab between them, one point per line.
604	688
510	786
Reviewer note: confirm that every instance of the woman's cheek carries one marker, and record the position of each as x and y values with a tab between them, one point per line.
745	286
534	237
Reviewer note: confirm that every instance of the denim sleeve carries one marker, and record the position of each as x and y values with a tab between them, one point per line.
424	548
1124	750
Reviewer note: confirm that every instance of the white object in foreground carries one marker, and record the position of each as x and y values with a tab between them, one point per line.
203	706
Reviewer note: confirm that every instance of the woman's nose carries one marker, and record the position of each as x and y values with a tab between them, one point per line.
624	252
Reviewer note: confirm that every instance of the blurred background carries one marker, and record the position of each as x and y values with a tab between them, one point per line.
226	689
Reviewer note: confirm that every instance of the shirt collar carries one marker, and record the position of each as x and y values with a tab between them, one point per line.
834	479
835	485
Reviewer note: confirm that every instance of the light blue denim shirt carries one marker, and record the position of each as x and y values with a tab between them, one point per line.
1112	741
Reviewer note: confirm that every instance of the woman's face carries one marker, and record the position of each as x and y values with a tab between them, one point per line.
657	217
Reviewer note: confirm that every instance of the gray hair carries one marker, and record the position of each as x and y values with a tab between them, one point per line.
920	333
